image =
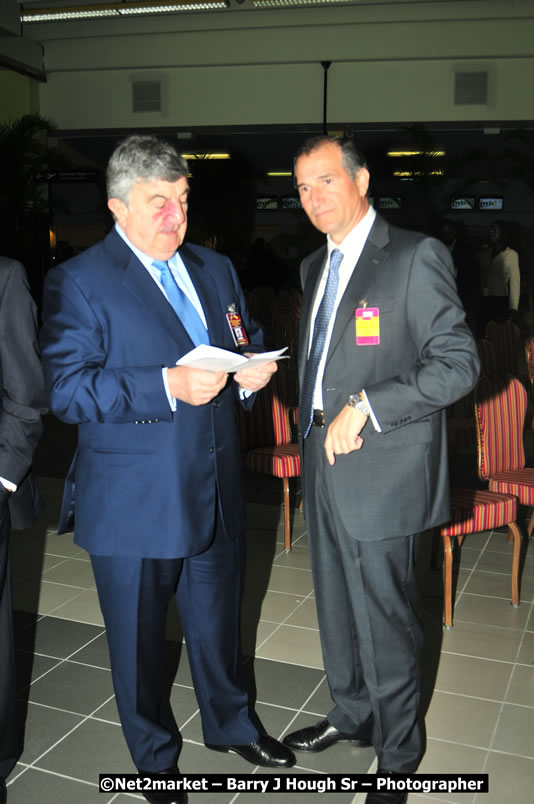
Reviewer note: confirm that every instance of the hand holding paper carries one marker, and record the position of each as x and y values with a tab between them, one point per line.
211	358
195	386
253	377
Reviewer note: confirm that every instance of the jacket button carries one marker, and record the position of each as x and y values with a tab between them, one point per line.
212	449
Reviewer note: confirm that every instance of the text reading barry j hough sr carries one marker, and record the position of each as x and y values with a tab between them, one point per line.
293	783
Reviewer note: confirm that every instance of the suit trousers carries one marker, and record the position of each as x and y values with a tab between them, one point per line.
134	594
370	621
9	746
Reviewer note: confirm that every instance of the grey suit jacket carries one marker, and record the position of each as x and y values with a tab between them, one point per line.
22	395
397	483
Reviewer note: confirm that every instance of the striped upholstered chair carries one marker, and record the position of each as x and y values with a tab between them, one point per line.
529	357
473	511
505	337
500	408
266	437
489	358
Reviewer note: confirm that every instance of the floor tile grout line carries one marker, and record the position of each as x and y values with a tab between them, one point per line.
498	630
484	748
504	702
62	661
480	551
479	698
279	625
84	719
310	696
481	658
470	697
28	767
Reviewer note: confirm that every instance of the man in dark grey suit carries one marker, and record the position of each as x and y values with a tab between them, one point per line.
21	402
383	346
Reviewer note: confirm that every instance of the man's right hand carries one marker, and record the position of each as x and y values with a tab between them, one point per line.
195	386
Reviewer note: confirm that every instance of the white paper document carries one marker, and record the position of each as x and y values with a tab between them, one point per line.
211	358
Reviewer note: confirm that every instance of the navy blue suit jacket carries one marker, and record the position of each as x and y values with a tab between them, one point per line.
145	481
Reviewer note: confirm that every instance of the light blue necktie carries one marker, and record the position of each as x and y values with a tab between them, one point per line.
181	304
324	314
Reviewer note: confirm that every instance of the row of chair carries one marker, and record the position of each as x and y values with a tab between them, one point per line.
500	405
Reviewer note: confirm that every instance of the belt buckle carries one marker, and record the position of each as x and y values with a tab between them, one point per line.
318	418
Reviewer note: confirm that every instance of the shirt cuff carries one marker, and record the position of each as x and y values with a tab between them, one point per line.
172	400
372	415
8	484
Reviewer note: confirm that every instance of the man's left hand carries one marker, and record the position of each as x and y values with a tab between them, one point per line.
343	435
254	379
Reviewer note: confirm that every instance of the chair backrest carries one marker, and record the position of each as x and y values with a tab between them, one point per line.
259	301
500	407
505	337
489	361
529	357
285	316
267	424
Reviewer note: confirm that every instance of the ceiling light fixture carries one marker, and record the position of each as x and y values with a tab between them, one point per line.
202	157
403	174
127	9
280	3
416	153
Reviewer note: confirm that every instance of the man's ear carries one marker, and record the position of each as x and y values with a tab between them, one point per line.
362	178
119	210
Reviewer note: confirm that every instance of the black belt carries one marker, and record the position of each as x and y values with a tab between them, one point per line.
318	418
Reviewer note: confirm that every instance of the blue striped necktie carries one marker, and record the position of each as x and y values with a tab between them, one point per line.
324	314
181	304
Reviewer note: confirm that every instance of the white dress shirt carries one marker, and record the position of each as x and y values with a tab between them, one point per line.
183	280
351	248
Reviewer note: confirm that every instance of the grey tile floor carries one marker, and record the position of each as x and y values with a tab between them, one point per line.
479	681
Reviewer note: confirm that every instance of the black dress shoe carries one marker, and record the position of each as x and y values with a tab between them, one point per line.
388	796
162	796
267	752
321	736
3	791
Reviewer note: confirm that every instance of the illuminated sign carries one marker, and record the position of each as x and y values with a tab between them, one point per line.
495	203
389	203
266	203
463	203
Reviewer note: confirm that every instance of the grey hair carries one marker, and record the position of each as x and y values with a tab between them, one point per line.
353	159
142	158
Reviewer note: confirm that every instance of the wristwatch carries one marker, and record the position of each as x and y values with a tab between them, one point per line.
358	401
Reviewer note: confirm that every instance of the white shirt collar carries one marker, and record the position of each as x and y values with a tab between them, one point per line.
356	238
144	258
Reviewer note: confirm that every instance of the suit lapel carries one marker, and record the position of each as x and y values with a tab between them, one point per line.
311	282
205	285
363	277
138	282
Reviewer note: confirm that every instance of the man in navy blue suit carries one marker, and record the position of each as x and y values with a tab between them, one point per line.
155	483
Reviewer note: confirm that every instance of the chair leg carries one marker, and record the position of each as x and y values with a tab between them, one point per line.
287	516
530	527
447	582
515	534
436	538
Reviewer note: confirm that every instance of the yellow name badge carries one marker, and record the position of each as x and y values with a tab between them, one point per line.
367	326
